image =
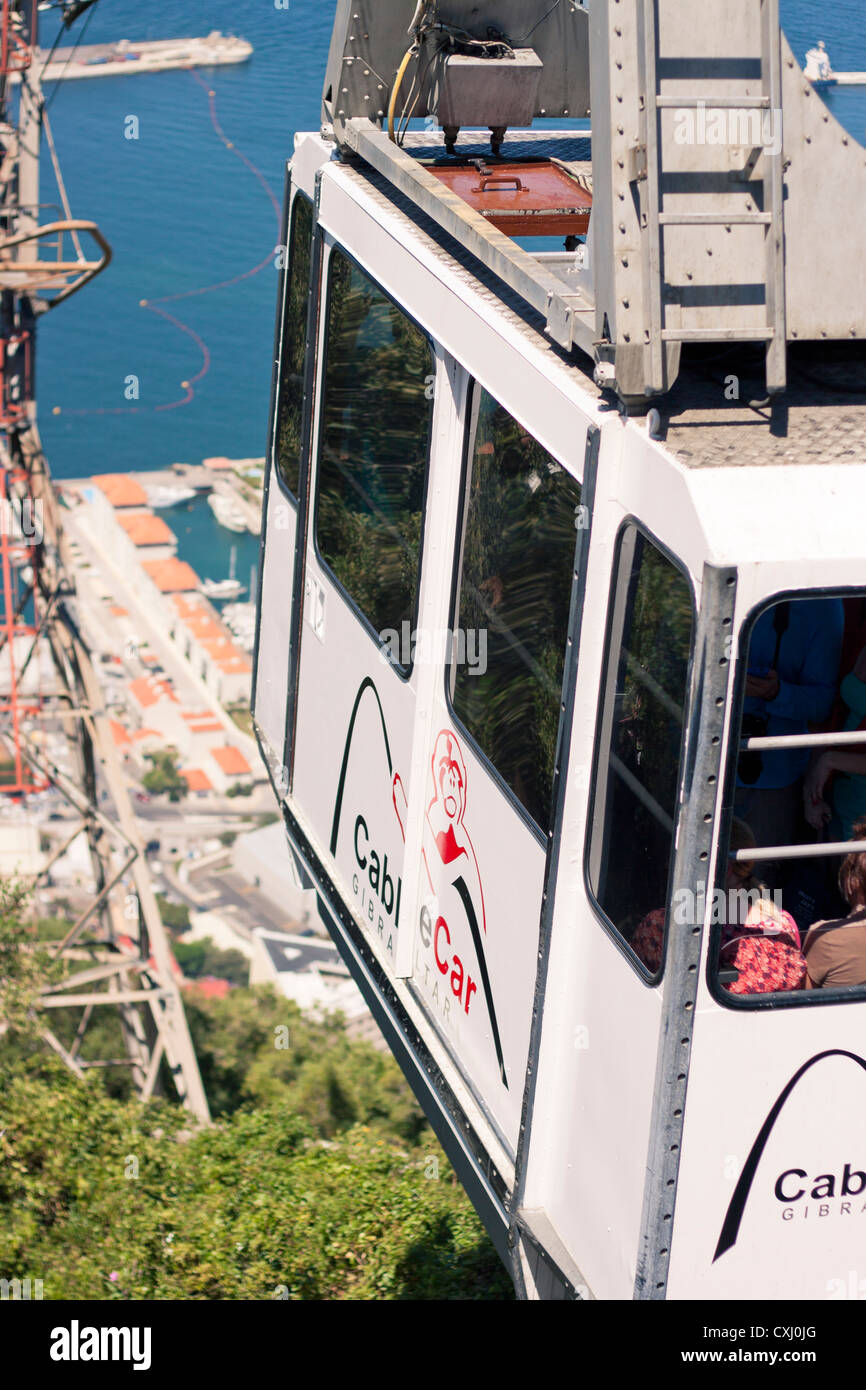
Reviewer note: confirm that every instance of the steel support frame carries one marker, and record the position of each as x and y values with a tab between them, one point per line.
140	980
569	315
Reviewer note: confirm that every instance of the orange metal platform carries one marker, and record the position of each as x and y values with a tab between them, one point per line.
526	198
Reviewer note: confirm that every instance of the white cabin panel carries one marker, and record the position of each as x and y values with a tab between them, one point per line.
594	1098
771	1197
353	739
476	945
277	583
598	1105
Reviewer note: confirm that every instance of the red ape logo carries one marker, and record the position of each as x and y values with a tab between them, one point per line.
445	835
450	863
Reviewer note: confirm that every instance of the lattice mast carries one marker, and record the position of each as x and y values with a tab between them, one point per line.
117	951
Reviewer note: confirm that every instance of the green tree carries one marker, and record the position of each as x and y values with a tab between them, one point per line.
26	965
198	959
164	775
174	915
255	1047
53	928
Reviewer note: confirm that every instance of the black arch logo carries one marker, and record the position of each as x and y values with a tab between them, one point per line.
466	899
736	1207
366	684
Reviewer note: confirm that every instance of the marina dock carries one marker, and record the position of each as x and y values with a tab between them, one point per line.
129	56
234	484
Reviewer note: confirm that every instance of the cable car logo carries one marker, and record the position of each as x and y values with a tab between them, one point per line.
734	1215
444	829
377	885
446	845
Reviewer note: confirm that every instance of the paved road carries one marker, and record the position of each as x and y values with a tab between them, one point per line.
235	892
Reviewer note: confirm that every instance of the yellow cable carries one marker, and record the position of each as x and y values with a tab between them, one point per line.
395	92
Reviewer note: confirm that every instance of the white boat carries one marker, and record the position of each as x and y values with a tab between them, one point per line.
818	68
224	588
240	618
162	496
227	512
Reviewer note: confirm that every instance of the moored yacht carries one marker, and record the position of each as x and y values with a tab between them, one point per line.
227	512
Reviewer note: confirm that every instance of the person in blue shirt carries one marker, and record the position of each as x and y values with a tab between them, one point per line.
791	685
846	802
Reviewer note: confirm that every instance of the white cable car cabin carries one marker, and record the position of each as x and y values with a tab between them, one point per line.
539	677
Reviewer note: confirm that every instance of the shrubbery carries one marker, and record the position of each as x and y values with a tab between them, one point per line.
318	1180
103	1199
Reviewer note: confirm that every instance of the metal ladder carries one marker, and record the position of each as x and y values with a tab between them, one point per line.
774	332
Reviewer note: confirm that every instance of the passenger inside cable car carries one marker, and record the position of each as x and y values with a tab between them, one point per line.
805	679
845	799
764	954
791	683
836	950
742	886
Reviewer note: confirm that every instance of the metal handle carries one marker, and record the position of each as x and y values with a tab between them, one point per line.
488	180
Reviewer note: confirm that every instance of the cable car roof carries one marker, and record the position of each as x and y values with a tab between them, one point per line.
714	416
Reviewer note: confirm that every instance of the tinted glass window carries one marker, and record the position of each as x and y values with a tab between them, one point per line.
522	510
376	415
291	389
791	919
638	773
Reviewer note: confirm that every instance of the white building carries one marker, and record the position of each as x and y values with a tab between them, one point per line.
213	925
209	648
309	970
75	866
121	524
20	855
141	549
227	767
262	857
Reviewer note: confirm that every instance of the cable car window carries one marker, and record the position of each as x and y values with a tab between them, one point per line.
514	594
291	388
790	918
376	417
640	744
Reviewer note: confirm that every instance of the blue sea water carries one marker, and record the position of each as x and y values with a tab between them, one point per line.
181	211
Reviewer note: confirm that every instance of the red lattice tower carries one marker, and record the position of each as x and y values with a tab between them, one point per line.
16	53
20	541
